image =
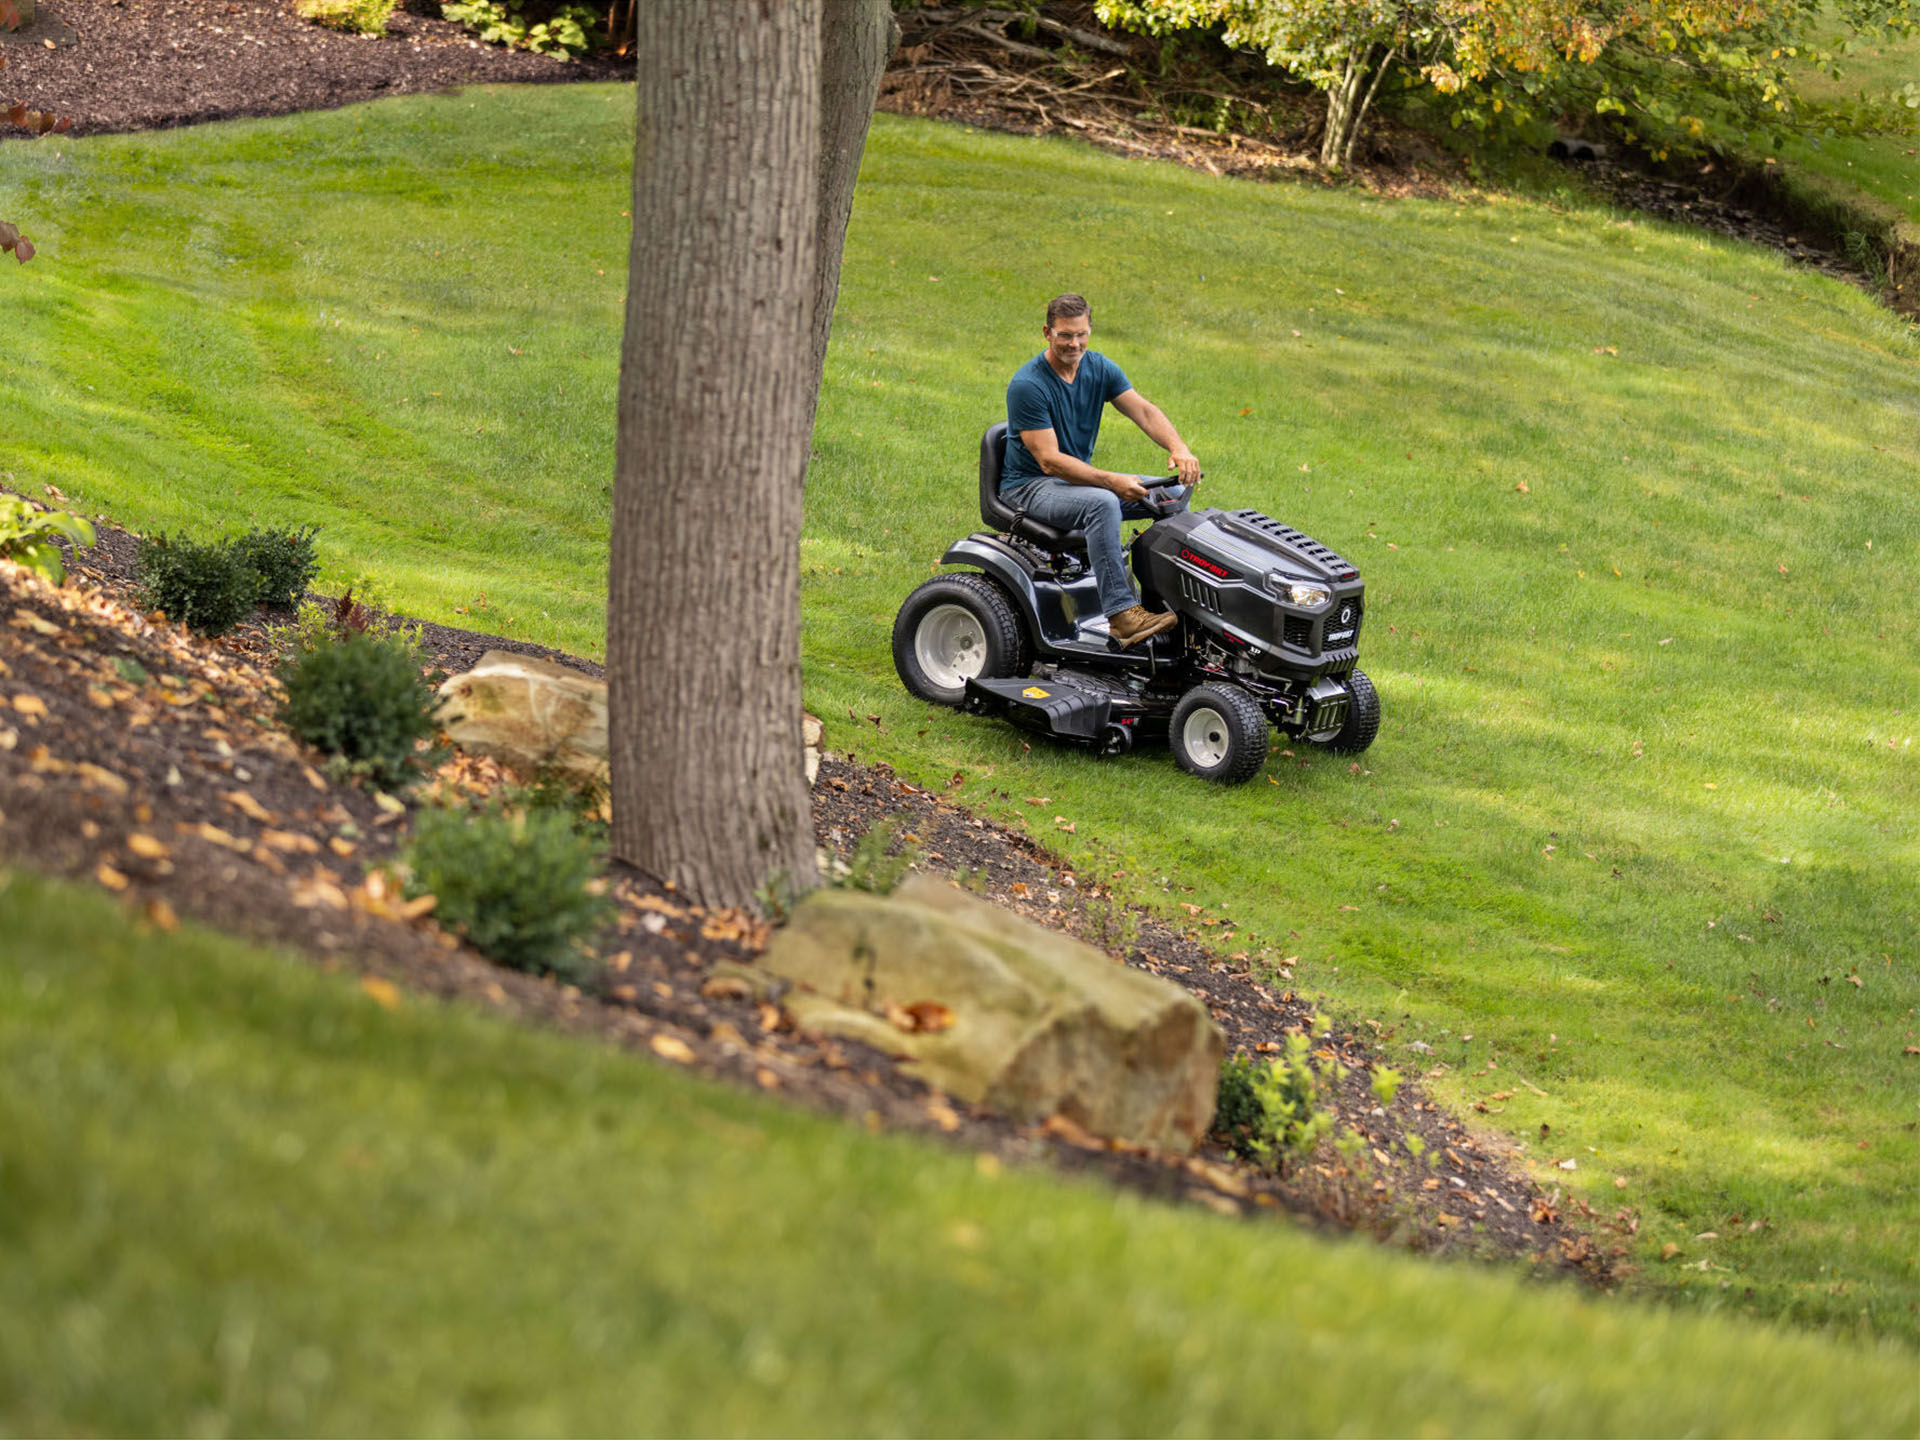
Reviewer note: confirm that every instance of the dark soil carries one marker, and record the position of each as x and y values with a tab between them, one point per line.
149	761
148	64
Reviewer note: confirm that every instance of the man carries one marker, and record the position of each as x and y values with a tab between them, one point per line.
1054	405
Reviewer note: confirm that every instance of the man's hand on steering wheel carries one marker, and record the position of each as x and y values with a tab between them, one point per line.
1183	461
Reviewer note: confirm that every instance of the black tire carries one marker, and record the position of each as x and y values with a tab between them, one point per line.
954	628
1363	717
1219	733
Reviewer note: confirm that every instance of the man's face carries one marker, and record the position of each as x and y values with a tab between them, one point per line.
1067	340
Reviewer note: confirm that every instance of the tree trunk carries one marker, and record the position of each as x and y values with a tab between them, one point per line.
1344	109
856	39
1366	104
716	394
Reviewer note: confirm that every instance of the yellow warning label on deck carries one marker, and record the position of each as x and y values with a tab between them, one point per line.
1034	692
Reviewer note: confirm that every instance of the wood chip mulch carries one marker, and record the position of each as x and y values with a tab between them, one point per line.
150	64
149	761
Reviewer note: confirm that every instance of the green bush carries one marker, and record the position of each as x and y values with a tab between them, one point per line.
208	588
363	700
26	537
358	17
1236	1106
546	29
1276	1112
519	886
282	562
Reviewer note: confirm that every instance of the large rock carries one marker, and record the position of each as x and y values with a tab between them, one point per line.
528	714
1039	1023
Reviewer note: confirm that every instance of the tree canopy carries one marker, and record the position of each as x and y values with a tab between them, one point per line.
1670	66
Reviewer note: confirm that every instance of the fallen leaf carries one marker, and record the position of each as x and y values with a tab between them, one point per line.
109	877
27	620
289	843
382	992
161	916
1522	488
248	806
146	847
1669	1250
387	803
671	1047
726	987
1061	1128
101	777
943	1115
342	848
922	1017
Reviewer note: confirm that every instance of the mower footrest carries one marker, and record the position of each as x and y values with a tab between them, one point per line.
1056	705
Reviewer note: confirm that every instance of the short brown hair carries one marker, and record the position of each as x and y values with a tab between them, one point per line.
1066	307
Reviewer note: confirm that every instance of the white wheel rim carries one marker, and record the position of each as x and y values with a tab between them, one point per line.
1204	737
951	646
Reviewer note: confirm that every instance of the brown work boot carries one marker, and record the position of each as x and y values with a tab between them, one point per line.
1137	623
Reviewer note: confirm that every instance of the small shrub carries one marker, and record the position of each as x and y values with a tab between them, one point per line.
1236	1108
584	800
521	887
362	698
519	25
872	867
208	588
1277	1112
26	537
282	562
357	17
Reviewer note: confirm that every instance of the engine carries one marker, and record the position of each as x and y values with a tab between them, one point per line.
1273	599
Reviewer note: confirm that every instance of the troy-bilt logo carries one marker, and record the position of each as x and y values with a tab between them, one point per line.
1210	566
1346	614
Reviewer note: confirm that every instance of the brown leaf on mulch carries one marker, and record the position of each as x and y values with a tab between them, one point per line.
146	760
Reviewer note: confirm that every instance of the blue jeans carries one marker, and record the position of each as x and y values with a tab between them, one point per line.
1066	506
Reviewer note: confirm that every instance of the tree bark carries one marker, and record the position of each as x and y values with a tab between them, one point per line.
716	394
856	39
1343	109
1366	104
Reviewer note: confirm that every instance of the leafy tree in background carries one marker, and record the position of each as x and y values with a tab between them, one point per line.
750	134
1675	69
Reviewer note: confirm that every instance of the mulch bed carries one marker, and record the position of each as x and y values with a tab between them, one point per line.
150	64
148	760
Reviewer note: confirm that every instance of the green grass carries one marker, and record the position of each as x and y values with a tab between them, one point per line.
1674	659
1884	167
238	1196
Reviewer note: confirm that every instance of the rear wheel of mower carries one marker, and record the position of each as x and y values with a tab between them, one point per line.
1363	717
1219	734
955	628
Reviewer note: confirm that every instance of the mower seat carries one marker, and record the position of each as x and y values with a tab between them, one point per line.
998	514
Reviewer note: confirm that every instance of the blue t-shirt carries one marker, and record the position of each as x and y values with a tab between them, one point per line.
1038	399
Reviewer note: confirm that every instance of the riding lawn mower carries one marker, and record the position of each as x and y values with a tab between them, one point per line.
1268	634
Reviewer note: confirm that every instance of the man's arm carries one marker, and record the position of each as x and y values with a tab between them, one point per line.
1159	429
1044	446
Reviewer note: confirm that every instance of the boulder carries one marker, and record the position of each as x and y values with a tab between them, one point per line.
529	713
1002	1013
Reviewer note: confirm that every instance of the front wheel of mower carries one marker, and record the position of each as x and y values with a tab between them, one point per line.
1219	734
955	628
1363	717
